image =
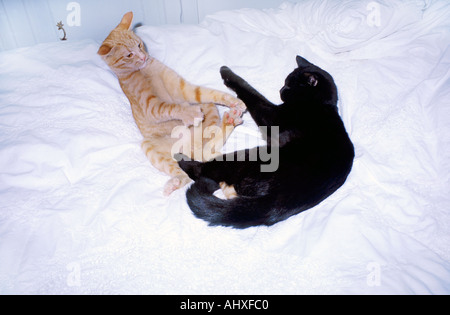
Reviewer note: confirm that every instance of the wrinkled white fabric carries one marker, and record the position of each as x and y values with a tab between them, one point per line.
82	210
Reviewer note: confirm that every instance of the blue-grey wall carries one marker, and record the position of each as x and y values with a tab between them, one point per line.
28	22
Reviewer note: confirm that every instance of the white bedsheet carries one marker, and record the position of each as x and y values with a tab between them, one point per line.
82	210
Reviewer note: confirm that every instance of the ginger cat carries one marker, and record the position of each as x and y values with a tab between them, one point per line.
161	100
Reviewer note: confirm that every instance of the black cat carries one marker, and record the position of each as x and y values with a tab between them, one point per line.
314	150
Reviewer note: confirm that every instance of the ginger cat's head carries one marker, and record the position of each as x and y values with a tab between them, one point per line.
122	50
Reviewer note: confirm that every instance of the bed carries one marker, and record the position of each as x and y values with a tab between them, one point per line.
82	210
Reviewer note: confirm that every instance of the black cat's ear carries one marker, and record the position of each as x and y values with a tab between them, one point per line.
312	80
302	62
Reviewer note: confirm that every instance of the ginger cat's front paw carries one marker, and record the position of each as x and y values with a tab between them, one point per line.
237	103
234	102
240	104
233	118
192	116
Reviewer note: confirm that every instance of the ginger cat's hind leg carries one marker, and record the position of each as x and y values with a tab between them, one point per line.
219	130
228	191
158	151
176	183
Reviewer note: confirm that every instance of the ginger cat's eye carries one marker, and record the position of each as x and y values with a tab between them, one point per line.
130	55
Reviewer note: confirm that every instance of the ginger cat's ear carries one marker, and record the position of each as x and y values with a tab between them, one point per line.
126	21
104	50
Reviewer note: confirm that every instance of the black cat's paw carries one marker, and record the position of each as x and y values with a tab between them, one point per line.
225	72
229	78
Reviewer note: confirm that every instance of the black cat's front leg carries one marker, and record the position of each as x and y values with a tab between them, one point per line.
243	90
232	80
263	112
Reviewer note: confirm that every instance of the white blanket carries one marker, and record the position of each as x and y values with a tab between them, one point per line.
82	210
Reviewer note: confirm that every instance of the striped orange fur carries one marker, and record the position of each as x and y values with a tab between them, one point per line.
161	100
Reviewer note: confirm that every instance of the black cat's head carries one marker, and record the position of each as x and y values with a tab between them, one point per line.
308	83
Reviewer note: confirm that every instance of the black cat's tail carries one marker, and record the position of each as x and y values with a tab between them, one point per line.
239	213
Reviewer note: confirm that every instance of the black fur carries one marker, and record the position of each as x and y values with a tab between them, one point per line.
315	155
